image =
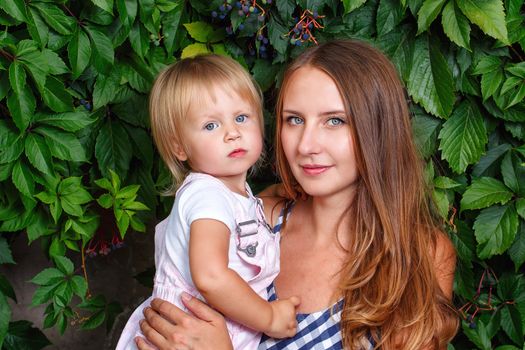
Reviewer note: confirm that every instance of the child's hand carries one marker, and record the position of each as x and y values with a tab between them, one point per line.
284	323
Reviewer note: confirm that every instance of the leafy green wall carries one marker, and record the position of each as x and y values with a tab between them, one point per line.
78	169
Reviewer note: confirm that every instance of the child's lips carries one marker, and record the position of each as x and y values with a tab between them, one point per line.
237	153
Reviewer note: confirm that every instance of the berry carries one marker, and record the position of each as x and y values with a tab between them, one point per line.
262	48
265	41
306	36
300	26
241	13
229	7
292	41
222	8
260	37
260	18
214	14
315	14
310	25
222	16
238	4
251	8
229	30
269	1
298	43
241	26
472	325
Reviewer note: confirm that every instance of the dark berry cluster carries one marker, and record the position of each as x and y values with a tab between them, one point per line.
100	245
87	105
263	45
304	27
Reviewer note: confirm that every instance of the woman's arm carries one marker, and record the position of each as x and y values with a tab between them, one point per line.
226	291
166	327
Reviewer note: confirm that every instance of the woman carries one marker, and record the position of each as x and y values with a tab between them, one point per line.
359	244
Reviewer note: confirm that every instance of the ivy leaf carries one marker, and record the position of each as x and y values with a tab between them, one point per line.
64	264
199	31
16	9
276	33
511	322
455	25
22	106
513	173
495	229
425	129
55	17
55	63
69	121
23	179
489	15
38	153
264	73
349	5
487	164
428	13
520	207
48	277
79	52
56	96
463	137
17	77
517	249
138	36
5	253
430	81
113	149
170	25
22	335
193	50
63	145
106	88
127	10
287	7
106	5
103	54
389	15
485	192
5	286
478	335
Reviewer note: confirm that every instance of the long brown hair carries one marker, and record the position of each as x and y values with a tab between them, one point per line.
388	281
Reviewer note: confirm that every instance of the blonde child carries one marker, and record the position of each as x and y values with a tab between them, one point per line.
206	118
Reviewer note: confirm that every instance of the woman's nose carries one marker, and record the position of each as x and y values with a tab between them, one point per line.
309	142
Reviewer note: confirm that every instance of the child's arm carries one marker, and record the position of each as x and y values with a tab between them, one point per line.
226	291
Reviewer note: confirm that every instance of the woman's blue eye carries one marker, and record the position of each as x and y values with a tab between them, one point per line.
335	121
240	118
211	126
294	120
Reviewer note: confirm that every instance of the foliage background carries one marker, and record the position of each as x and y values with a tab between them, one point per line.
78	170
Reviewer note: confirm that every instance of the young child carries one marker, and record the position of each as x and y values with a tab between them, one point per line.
207	123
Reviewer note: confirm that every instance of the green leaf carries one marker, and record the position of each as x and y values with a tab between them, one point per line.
455	25
512	323
490	83
48	277
128	11
485	192
135	206
38	153
194	50
489	15
64	264
94	320
276	34
17	77
37	27
105	201
441	201
487	164
63	145
123	224
5	316
105	184
15	9
513	173
103	54
264	73
106	5
113	148
520	207
22	335
139	39
170	25
349	5
55	63
430	81
56	96
21	107
428	13
79	286
199	31
425	129
495	229
105	88
478	335
463	137
445	183
79	52
5	252
517	249
389	15
510	83
55	17
69	121
23	179
287	7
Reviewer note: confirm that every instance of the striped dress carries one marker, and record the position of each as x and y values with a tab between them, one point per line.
316	331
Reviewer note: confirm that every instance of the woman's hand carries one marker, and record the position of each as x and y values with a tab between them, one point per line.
167	327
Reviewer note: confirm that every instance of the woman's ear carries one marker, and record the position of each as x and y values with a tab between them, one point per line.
180	153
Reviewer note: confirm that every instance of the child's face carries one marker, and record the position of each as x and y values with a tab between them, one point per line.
315	135
222	135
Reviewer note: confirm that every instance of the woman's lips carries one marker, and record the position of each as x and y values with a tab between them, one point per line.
314	169
239	152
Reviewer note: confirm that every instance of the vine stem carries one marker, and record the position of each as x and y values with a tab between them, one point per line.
7	55
84	270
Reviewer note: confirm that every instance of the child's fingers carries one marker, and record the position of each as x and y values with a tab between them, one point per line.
142	344
295	301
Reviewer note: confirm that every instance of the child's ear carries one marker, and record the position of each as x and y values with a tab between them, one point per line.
180	153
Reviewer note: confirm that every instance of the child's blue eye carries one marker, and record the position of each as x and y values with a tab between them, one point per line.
240	118
293	120
211	126
335	121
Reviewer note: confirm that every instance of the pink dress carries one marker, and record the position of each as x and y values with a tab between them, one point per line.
253	250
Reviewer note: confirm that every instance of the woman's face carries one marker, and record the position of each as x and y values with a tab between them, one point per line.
315	135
